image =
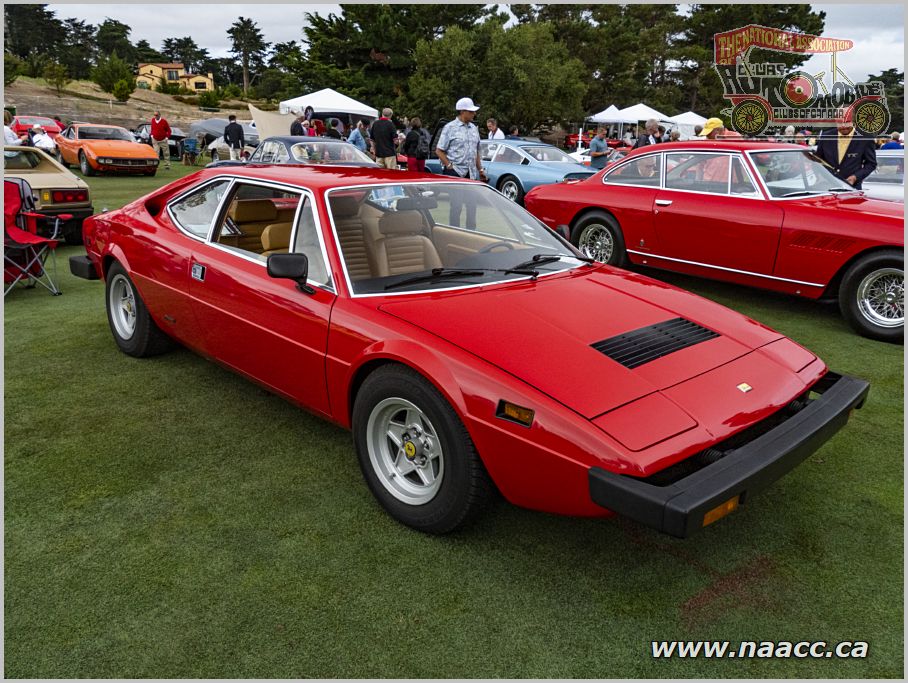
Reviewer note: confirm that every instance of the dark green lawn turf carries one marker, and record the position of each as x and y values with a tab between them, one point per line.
167	518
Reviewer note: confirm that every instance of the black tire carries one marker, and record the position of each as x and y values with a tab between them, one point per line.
872	296
84	166
146	338
63	161
463	486
599	236
511	188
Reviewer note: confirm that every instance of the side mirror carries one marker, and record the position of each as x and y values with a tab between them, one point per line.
292	267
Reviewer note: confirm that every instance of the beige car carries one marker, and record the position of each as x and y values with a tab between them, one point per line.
56	190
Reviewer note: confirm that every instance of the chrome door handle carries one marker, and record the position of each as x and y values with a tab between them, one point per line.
663	202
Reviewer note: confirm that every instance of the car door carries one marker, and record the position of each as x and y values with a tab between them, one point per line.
628	192
187	222
67	146
265	328
710	212
505	160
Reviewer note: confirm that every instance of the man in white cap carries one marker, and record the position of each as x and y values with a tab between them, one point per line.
41	140
458	152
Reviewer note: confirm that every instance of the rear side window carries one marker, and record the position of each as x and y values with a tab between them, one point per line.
195	212
645	170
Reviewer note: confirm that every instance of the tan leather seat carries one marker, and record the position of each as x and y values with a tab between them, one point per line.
251	217
404	247
276	238
351	234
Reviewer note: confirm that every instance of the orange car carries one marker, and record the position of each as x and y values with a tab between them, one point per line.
97	148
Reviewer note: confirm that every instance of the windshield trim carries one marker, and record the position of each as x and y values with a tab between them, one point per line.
765	187
441	180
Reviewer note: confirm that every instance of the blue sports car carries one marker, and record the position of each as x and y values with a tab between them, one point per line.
515	167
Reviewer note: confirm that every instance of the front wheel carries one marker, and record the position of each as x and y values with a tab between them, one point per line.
511	188
415	453
598	236
135	333
84	166
872	296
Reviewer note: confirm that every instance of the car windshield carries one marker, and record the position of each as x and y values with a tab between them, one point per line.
328	153
548	154
410	237
104	133
25	160
796	173
40	120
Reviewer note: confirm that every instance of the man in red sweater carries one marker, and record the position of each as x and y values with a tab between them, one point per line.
160	134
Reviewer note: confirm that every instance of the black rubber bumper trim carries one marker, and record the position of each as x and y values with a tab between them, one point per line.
678	509
81	266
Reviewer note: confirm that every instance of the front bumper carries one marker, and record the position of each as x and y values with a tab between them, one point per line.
679	508
82	266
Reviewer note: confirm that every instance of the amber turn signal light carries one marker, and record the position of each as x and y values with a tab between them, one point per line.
515	413
720	511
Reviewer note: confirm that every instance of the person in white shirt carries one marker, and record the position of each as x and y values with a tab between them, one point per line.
495	133
9	137
42	140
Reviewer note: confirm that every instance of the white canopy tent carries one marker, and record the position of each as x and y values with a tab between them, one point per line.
327	101
642	112
610	115
685	123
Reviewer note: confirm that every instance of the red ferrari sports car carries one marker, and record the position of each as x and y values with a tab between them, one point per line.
759	214
421	312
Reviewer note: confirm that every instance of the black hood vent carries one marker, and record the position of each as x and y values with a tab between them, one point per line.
654	341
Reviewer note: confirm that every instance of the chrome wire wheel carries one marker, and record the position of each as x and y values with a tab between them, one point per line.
510	189
596	241
405	451
122	306
881	297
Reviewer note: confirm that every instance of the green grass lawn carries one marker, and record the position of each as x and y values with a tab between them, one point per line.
166	518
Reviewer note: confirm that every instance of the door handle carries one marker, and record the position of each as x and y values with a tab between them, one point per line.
198	272
663	202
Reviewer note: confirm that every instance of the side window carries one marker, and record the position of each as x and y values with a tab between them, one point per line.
487	150
307	242
195	212
508	155
258	221
741	184
281	155
697	172
644	170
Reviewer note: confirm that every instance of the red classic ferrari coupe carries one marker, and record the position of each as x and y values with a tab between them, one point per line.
421	312
759	214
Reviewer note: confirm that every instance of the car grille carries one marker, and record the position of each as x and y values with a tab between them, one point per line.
635	348
130	162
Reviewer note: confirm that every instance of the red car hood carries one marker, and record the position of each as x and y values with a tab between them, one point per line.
857	204
542	332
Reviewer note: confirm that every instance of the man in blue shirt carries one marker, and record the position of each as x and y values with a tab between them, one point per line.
458	152
599	150
893	143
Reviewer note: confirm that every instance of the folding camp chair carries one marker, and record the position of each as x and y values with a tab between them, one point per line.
190	151
24	251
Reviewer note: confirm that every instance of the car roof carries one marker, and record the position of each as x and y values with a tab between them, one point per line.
519	143
293	139
718	146
319	177
97	125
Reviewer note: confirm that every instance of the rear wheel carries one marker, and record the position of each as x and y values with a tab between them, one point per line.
511	188
135	333
84	166
872	296
598	236
415	453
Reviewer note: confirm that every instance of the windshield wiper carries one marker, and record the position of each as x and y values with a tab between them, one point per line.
436	275
540	259
805	193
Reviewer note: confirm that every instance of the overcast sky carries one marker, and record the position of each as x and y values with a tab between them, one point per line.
877	30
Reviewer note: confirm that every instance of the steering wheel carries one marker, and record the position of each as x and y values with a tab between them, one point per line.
489	247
